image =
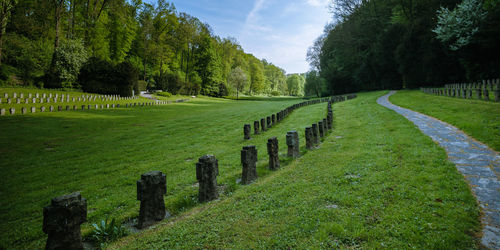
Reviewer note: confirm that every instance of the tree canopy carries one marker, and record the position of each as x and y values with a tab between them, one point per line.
46	43
393	44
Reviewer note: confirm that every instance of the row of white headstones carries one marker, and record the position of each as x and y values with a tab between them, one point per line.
63	98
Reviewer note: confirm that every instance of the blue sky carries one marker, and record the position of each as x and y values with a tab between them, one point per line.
278	30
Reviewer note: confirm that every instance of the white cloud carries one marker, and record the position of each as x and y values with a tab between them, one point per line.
317	3
281	31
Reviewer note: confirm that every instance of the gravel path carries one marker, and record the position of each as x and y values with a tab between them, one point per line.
479	164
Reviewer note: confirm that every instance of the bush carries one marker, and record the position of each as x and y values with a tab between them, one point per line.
100	76
142	85
275	93
164	94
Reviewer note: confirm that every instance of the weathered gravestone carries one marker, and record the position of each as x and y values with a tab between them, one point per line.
321	129
42	109
272	151
150	191
325	126
51	108
329	120
23	110
14	95
315	134
246	131
292	141
9	101
256	127
2	111
309	138
263	124
62	220
273	119
12	111
33	109
207	169
68	108
83	107
18	101
249	162
268	124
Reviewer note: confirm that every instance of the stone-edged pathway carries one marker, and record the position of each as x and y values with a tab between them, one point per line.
479	164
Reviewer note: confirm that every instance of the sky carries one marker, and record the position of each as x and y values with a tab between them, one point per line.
279	31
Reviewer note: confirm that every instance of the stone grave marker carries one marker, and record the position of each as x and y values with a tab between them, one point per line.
33	109
249	163
150	191
246	131
309	138
256	127
207	169
292	141
62	220
273	151
315	133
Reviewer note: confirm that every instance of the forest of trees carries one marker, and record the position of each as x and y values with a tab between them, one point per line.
394	44
95	44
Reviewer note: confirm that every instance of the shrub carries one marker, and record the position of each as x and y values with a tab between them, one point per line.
142	85
165	94
100	76
275	93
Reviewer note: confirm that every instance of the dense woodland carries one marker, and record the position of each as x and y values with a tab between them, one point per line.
393	44
112	46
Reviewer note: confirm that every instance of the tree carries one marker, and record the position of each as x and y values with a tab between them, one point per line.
71	55
238	79
315	84
5	8
457	27
295	84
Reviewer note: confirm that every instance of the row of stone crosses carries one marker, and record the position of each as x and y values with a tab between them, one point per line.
465	90
63	217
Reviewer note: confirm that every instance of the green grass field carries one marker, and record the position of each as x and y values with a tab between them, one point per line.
375	182
479	119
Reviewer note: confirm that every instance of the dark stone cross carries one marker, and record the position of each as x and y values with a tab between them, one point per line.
249	162
315	133
321	129
263	124
309	138
62	220
207	169
272	151
150	191
292	141
246	131
256	127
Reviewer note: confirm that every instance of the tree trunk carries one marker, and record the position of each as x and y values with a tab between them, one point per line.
58	8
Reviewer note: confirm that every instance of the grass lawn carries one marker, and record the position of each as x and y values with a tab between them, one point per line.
102	154
375	182
479	119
